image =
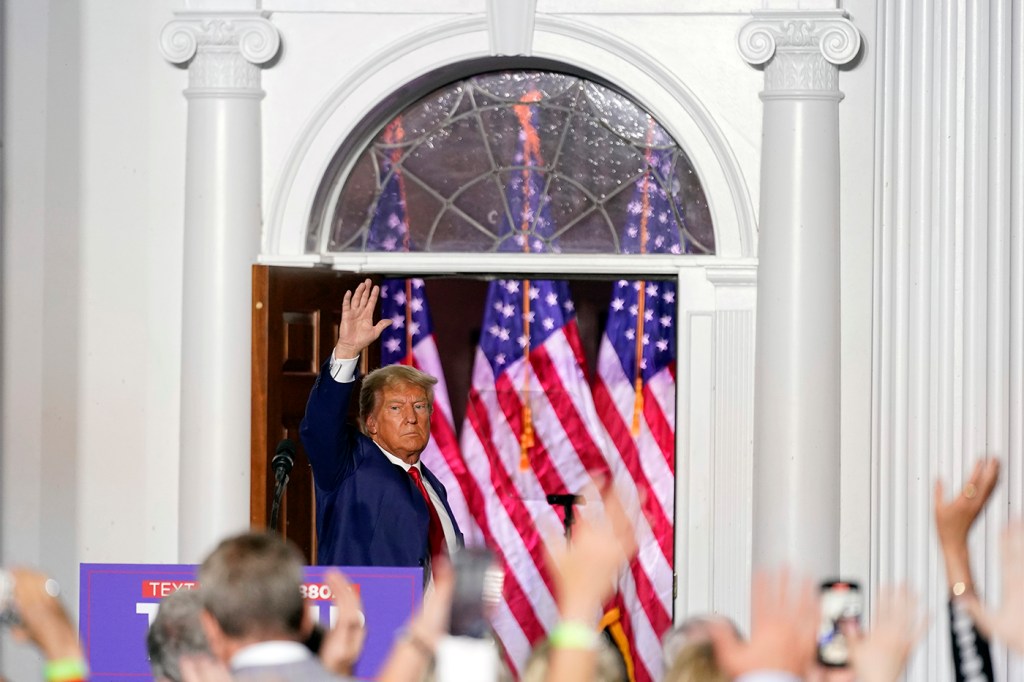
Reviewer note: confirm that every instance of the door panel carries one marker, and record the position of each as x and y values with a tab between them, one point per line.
295	323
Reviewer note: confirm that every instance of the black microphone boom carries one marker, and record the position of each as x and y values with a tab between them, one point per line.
284	458
282	463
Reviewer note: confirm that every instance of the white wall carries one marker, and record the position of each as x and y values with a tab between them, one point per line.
93	134
93	128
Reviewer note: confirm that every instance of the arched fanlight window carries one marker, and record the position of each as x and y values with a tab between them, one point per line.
516	160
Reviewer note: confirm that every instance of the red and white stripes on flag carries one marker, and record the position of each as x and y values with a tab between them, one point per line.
635	391
530	431
642	467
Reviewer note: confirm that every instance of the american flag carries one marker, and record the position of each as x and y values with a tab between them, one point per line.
634	392
410	338
530	426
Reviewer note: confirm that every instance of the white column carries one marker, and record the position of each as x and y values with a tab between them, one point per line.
796	412
222	238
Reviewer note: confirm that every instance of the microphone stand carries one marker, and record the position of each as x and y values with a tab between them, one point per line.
281	476
567	503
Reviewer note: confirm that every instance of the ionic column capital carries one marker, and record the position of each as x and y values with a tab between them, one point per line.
801	51
223	51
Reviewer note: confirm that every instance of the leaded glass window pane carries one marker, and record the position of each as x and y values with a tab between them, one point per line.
527	161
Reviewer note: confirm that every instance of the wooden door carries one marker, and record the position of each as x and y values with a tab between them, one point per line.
294	327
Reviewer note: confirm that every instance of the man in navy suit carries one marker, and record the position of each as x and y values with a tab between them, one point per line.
377	505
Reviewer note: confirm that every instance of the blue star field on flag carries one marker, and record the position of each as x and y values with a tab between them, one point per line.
651	219
404	304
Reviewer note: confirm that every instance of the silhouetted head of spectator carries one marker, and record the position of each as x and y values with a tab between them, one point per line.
695	662
176	631
251	587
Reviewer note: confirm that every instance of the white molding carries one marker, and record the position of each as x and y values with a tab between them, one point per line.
734	274
569	264
292	197
1015	489
510	26
714	445
554	7
307	260
452	41
223	50
734	461
772	31
738	216
721	272
800	51
695	475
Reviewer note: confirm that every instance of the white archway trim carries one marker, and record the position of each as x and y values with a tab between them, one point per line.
675	106
355	96
663	94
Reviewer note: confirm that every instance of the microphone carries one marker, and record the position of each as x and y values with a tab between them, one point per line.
282	463
567	502
284	459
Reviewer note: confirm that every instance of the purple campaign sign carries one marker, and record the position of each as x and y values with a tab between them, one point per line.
118	601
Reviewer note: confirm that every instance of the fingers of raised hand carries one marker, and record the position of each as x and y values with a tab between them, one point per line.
346	599
981	616
986	475
437	605
727	646
1012	548
980	484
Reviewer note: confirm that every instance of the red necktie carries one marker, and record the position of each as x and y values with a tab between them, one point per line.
438	545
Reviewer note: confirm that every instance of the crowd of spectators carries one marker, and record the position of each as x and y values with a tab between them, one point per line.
248	620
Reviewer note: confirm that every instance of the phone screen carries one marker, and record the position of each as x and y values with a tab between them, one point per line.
841	605
478	584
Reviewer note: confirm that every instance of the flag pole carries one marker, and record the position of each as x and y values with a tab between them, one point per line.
638	377
395	134
531	151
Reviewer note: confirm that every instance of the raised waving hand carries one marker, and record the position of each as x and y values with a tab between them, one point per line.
357	329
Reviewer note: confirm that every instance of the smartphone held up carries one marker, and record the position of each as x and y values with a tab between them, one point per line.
470	654
841	609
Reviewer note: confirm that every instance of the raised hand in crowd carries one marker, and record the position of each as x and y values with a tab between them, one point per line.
954	519
413	652
585	573
343	644
882	653
784	620
953	522
357	329
45	623
1007	622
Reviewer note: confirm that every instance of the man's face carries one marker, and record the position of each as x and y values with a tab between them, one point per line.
401	422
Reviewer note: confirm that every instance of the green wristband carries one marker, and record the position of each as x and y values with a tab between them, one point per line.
66	670
573	634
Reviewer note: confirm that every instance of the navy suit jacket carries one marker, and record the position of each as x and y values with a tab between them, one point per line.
368	510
